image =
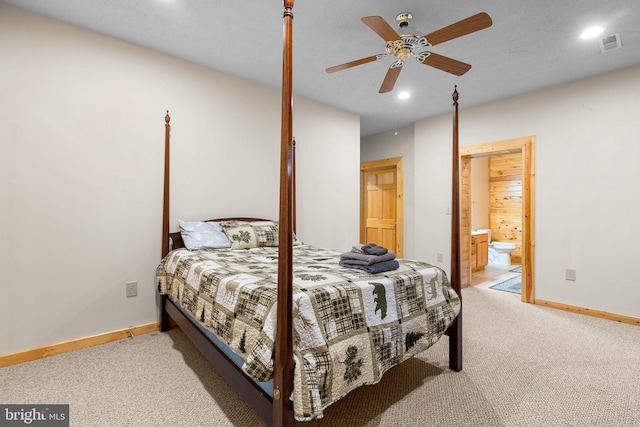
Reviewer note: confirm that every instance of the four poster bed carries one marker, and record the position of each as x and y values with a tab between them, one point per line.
290	329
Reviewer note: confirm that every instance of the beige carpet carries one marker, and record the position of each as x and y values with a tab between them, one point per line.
524	365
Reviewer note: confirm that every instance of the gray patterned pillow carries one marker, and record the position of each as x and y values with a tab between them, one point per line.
256	234
253	234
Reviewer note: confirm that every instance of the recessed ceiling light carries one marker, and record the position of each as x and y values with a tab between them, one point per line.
591	32
404	95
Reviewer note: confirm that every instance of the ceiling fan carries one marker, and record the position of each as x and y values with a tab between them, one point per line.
412	43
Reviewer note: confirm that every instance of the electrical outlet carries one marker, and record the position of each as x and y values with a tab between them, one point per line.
132	289
440	257
570	274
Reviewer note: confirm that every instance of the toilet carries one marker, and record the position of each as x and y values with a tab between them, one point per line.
499	252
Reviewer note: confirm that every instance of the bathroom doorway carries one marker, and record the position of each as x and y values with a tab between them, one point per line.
524	150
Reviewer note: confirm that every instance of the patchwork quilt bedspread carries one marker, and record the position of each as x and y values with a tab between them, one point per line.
350	327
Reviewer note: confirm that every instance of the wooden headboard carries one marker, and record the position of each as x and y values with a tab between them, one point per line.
176	238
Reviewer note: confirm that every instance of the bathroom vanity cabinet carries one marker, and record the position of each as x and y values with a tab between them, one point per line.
479	251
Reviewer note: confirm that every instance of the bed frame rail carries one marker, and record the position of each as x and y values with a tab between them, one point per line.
255	397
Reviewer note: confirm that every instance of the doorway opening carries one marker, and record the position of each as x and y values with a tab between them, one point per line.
524	150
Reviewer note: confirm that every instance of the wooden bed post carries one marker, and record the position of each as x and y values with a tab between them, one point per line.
455	330
165	202
284	364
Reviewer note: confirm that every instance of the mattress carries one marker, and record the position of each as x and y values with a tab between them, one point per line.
350	327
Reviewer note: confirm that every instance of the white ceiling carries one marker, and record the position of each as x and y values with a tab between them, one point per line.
531	45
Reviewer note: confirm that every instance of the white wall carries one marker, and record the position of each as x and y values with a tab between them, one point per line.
81	164
328	165
480	193
587	186
390	144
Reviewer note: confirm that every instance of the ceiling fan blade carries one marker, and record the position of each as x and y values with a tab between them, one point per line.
381	27
469	25
352	64
444	63
390	79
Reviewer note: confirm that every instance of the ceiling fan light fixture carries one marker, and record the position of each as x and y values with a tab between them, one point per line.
404	95
404	53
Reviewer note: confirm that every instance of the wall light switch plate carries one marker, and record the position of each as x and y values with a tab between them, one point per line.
132	289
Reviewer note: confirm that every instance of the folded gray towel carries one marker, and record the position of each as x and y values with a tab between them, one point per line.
378	267
373	249
364	259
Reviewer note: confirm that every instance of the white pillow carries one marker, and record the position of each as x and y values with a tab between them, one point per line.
203	235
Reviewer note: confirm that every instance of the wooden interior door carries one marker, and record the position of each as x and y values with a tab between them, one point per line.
381	207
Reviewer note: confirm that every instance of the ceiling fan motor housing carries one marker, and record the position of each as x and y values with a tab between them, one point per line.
409	45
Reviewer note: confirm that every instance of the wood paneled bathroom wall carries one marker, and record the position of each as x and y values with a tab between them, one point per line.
505	201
